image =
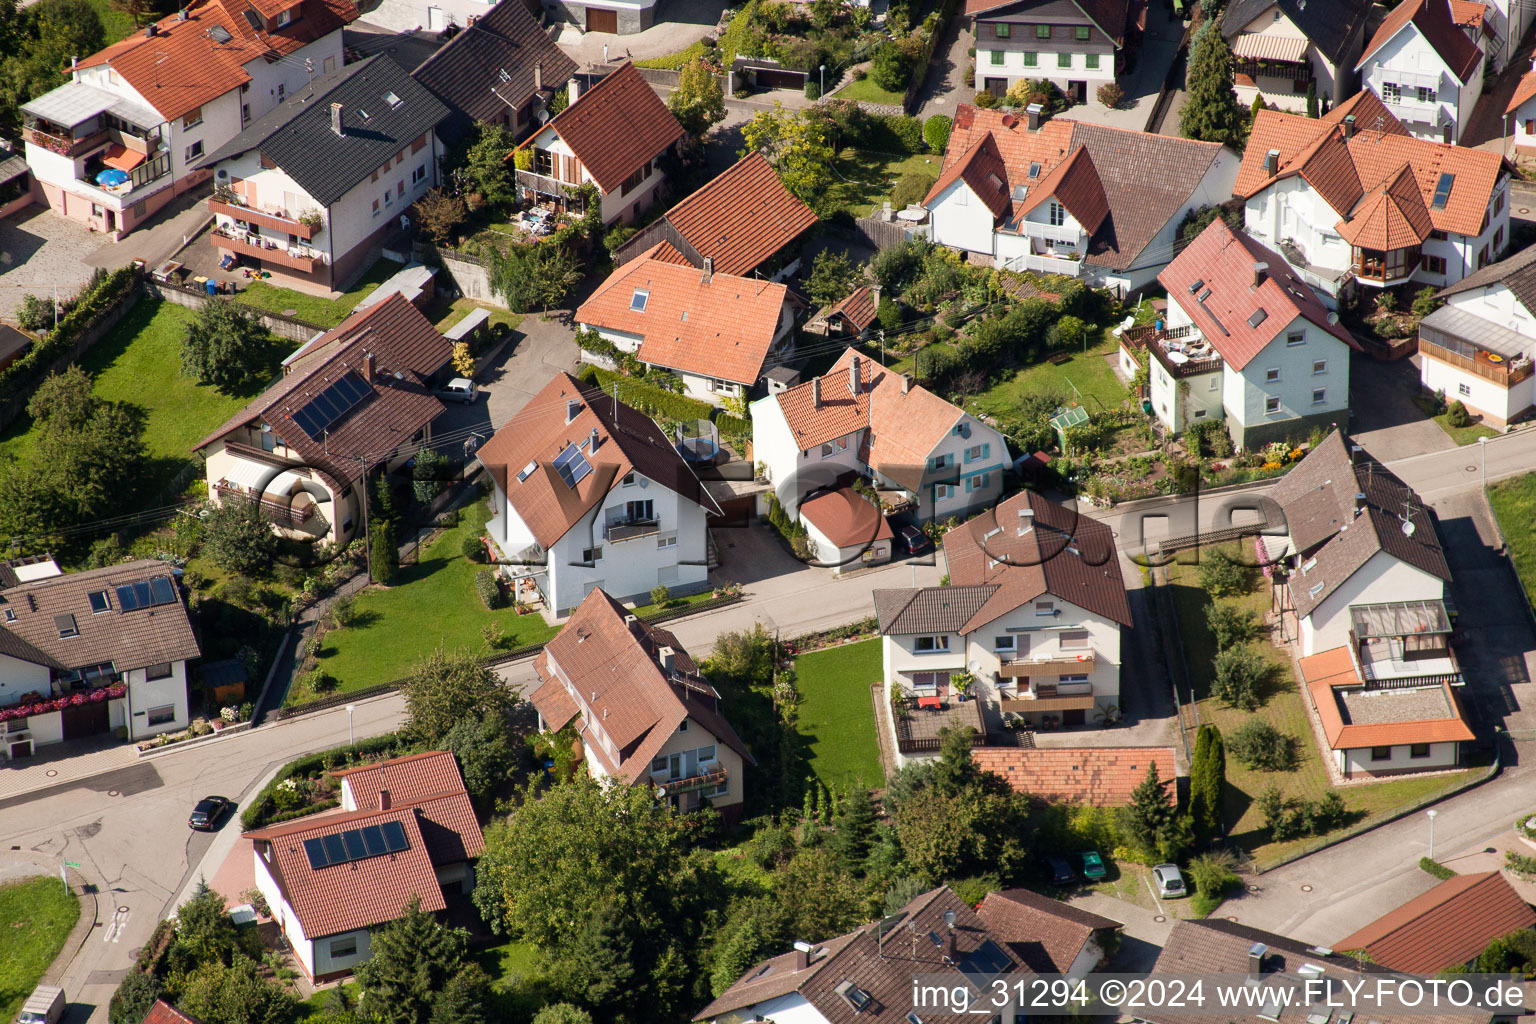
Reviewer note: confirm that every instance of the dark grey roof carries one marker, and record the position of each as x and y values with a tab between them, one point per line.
15	647
297	135
12	342
929	609
1330	24
13	166
1517	273
467	73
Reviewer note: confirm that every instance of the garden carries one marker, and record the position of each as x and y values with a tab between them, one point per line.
1514	506
837	717
39	914
316	309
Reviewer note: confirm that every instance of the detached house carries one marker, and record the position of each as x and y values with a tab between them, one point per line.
861	419
1283	45
1246	341
82	653
1069	197
1480	346
1446	927
407	831
1075	44
356	397
614	136
1522	111
1353	199
126	134
643	713
591	494
1426	68
718	332
310	192
1047	935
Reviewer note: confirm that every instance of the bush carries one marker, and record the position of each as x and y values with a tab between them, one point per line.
1262	747
891	68
1435	868
1238	671
968	77
647	397
473	548
1220	576
1231	625
911	189
1289	818
661	595
1111	95
974	890
936	132
812	89
35	313
888	313
908	132
1456	414
985	100
488	589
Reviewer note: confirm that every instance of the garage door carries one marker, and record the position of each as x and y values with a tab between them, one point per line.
599	20
80	720
772	78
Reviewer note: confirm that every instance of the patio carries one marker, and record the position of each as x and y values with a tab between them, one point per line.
920	720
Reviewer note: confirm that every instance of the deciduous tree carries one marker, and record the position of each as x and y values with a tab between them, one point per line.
698	102
448	687
227	347
485	752
237	538
799	149
236	994
832	276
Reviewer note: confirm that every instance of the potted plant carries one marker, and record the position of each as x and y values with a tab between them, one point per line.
962	682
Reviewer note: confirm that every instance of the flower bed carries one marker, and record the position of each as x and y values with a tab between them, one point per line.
60	703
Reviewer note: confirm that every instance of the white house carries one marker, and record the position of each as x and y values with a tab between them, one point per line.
591	494
1426	68
717	332
613	136
406	831
1245	341
126	134
83	653
1503	24
1070	197
1521	111
1075	44
861	419
1353	199
310	191
1479	347
644	714
1283	45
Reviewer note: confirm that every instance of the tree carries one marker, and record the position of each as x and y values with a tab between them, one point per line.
1312	98
384	555
448	687
1260	746
1220	575
134	997
440	214
911	189
1207	774
855	828
562	1013
832	276
799	148
1150	821
956	771
227	347
412	961
236	994
237	538
698	102
756	929
485	752
464	999
1231	625
1237	674
891	67
483	166
952	819
138	10
204	932
533	276
820	897
1210	112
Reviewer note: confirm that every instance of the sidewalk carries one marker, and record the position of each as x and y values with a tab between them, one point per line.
63	763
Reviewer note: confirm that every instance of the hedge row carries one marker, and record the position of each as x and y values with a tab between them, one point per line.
92	306
262	810
647	397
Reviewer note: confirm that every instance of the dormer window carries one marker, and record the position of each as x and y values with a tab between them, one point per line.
66	626
100	601
854	996
395	102
638	300
285	18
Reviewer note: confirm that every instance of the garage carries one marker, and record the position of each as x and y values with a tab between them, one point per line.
599	20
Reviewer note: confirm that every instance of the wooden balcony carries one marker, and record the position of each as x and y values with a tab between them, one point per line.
699	780
1172	349
1290	71
1073	666
263	218
1505	372
280	512
65	145
235	243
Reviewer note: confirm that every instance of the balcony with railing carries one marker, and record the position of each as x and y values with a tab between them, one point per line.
1042	264
703	777
1286	70
254	246
64	141
231	205
284	513
1402	645
1182	351
631	529
1505	368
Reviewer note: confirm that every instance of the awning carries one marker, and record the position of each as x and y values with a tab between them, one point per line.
121	157
1256	46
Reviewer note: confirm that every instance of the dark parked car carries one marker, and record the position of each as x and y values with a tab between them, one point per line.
208	812
915	540
1061	871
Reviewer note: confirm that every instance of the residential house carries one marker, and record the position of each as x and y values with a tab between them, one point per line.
1031	617
126	134
1446	927
1094	776
1283	45
745	220
1521	110
1479	346
615	136
621	17
1497	26
15	181
162	1012
83	653
861	419
937	937
1246	341
1365	601
1426	68
1070	197
718	332
407	832
502	68
1075	44
644	714
1352	198
356	397
311	192
591	494
1047	935
846	530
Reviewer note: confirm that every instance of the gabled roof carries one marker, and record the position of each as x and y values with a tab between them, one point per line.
611	661
163	1012
1101	776
184	65
1445	927
1109	16
857	307
431	783
1391	216
1223	260
627	439
145	635
981	168
708	324
1054	552
1523	92
1433	20
616	126
1046	934
384	110
1292	135
929	609
845	517
1330	26
742	217
1075	184
1517	273
489	66
881	963
1354	720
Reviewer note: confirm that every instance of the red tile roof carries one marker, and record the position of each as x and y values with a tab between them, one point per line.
981	167
1446	927
616	126
1102	776
858	308
1469	13
163	1012
1075	184
1523	92
845	517
1046	934
1392	216
1437	24
1222	260
742	217
718	325
1292	134
430	782
1334	670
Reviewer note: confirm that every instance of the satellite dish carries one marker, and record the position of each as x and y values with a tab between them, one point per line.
949	919
1333	318
543	116
1408	527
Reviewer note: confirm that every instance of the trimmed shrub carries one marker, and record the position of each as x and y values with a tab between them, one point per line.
985	100
912	188
1456	414
1261	746
1435	868
891	68
1111	95
473	548
488	589
936	132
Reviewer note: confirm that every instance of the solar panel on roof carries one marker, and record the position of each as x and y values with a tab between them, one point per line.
572	466
394	836
125	599
330	405
356	849
316	852
373	838
161	591
1443	190
335	849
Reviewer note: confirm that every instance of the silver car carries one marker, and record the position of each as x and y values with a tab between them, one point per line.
460	389
1170	884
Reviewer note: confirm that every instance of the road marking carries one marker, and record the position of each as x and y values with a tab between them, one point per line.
119	924
1148	879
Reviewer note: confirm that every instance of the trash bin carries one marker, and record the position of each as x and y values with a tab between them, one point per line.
213	287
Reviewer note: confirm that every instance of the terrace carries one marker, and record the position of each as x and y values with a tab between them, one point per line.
1403	645
251	244
917	729
1182	351
1488	350
227	202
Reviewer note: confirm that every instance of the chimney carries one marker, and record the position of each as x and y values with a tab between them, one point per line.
1034	110
709	269
572	407
664	655
853	376
1445	134
74	62
1349	126
1359	502
336	119
383	799
1256	953
874	296
593	446
1272	163
538	76
151	31
1260	271
906	383
815	392
803	955
368	367
573	90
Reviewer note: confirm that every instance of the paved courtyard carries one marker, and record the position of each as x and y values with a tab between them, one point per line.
1142	85
687	22
40	251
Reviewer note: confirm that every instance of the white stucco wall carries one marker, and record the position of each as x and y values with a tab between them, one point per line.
18	677
1381	579
1441	756
959	218
615	205
1409	61
146	694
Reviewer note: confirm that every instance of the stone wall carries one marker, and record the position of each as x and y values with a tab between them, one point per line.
283	326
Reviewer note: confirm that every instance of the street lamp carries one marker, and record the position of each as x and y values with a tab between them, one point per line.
351	740
823	91
1431	812
1482	449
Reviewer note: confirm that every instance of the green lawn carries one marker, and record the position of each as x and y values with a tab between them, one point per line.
837	716
1514	503
863	180
317	1001
114	22
1464	435
38	914
314	308
445	315
866	89
140	363
433	602
1087	375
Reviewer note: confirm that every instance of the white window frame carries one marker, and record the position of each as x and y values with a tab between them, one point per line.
1271	405
161	714
1272	375
1319	396
1045	608
1319	366
1296	338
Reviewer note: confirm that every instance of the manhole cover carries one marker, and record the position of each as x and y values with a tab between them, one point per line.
1232	918
1306	888
50	773
113	792
122	910
1471	469
290	312
1525	209
1253	888
1159	918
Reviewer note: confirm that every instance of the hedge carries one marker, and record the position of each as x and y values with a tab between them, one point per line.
263	811
91	306
936	132
647	397
488	589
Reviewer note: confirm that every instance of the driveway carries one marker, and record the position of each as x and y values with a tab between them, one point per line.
539	350
1383	417
945	87
41	251
687	22
1159	46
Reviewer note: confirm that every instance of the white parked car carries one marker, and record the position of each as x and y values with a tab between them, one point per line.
1170	884
460	389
